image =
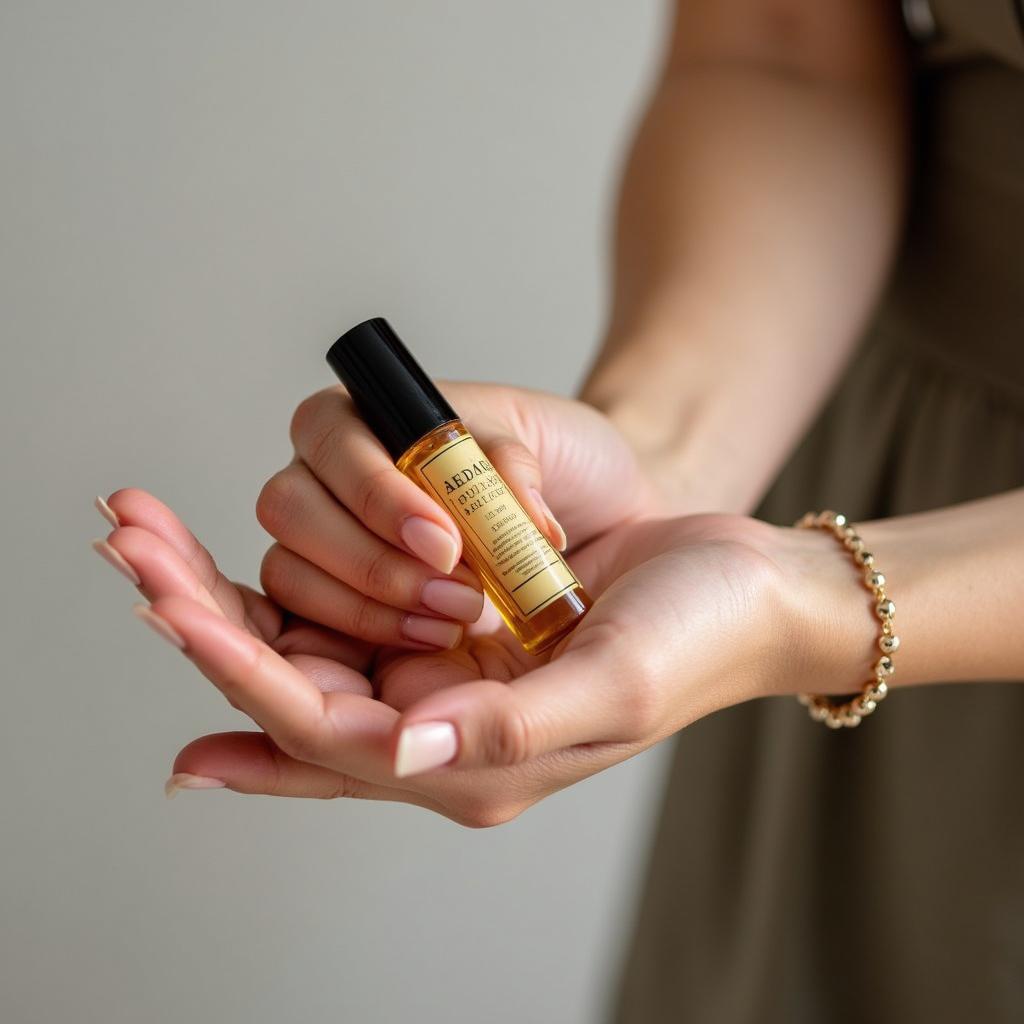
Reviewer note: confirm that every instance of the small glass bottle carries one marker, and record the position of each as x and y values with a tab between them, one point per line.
529	582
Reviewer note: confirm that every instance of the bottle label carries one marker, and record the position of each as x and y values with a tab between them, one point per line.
530	571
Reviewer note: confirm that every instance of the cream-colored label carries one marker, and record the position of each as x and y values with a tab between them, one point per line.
530	571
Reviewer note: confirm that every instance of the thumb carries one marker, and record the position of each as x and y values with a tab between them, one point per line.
519	467
578	698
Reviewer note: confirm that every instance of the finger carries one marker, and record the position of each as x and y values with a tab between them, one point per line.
338	730
307	590
134	507
303	516
250	762
577	699
519	468
161	570
353	465
264	616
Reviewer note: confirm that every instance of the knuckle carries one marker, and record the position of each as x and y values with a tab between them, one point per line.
321	441
369	499
344	787
507	741
377	572
277	575
364	621
512	454
307	416
278	502
276	757
643	706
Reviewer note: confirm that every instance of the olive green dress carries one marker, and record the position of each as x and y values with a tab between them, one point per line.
877	874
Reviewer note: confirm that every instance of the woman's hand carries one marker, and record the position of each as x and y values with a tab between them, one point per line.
691	615
361	549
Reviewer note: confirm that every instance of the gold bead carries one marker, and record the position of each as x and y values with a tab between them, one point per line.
850	714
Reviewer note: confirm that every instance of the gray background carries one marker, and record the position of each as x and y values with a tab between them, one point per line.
197	197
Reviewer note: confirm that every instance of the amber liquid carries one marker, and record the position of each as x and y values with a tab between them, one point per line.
536	632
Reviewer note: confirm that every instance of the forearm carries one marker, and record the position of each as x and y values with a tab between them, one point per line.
756	220
956	576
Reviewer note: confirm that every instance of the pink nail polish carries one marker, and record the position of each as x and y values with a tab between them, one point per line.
117	560
539	596
456	600
159	625
107	512
423	746
430	542
183	780
436	632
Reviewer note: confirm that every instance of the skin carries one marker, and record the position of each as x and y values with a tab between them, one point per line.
757	218
759	210
693	614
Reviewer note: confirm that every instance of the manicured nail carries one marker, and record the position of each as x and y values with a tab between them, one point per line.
456	600
437	632
182	780
107	512
423	746
160	626
433	543
116	559
557	534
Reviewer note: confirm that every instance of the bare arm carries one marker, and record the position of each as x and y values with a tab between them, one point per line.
957	577
757	218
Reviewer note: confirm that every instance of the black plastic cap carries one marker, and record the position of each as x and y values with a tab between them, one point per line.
398	401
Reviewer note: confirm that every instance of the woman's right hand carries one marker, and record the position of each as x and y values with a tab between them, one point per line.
363	550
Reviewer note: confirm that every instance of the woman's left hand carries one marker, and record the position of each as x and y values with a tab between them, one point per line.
692	614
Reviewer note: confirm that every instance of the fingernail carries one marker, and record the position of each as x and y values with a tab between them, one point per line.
456	600
116	559
423	746
433	543
438	632
160	626
107	512
554	527
182	780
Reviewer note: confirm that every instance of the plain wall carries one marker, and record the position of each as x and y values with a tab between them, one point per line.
196	199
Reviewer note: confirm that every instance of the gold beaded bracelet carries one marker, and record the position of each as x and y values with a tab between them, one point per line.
851	712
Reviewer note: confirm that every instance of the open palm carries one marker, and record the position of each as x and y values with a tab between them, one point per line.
331	708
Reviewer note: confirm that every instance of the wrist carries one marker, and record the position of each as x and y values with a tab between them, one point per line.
825	614
696	422
680	437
